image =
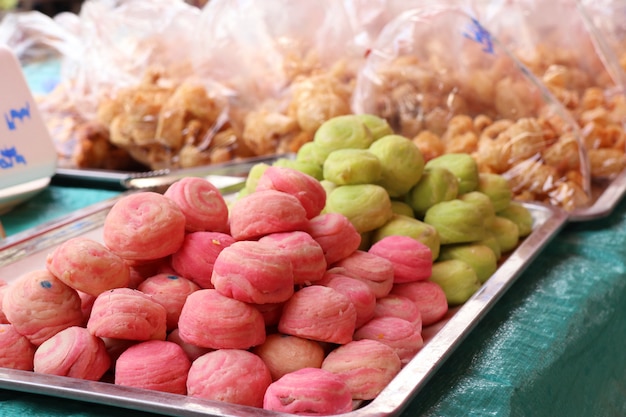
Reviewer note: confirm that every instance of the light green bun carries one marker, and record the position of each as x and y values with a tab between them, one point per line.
306	153
402	163
506	233
457	279
497	188
482	203
480	257
436	185
340	132
400	207
308	168
367	206
456	221
411	227
254	174
377	126
352	166
492	243
462	165
519	215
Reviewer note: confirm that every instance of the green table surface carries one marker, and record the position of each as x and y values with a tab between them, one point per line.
553	345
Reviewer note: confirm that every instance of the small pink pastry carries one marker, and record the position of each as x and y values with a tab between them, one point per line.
375	271
411	259
202	204
212	320
263	212
360	294
307	256
397	333
193	352
17	351
170	291
196	257
283	354
156	364
319	313
366	366
335	234
305	188
427	296
39	305
394	305
88	266
233	376
309	391
144	226
73	352
253	272
123	313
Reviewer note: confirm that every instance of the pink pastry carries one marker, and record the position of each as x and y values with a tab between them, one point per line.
263	212
411	259
156	364
196	257
358	292
73	352
193	352
305	188
427	296
17	351
39	305
394	305
170	291
309	391
375	271
233	376
144	226
397	333
366	366
212	320
283	354
88	266
319	313
123	313
202	204
307	256
335	234
253	272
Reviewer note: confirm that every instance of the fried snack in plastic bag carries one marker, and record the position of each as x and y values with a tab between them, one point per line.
576	65
440	78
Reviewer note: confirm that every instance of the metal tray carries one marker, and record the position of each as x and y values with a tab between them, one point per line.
606	195
24	252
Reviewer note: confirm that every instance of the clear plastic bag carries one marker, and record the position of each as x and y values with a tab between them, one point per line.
444	81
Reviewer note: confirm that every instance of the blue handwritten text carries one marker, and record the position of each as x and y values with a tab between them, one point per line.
17	114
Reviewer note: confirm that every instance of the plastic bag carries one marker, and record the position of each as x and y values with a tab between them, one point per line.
440	78
576	65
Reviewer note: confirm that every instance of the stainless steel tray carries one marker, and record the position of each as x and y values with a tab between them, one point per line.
606	195
24	252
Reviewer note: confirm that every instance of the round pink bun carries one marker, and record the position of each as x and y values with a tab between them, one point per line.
253	272
375	271
170	291
39	306
397	333
233	376
88	266
144	226
307	256
196	257
193	352
263	212
156	364
359	293
367	366
411	259
123	313
427	296
335	234
305	188
394	305
212	320
202	204
309	391
73	352
283	354
17	351
319	313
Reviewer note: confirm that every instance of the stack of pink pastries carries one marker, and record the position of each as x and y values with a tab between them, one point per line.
266	300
